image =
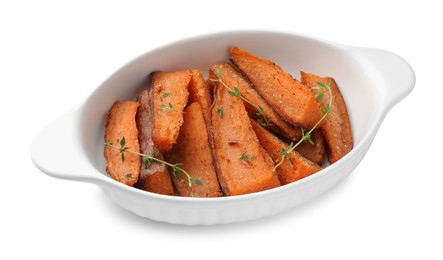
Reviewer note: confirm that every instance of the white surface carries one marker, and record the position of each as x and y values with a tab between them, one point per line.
53	55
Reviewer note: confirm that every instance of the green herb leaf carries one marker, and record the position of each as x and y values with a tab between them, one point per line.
265	122
261	122
198	182
175	172
290	162
319	96
148	160
165	94
260	111
219	112
123	142
284	153
326	109
306	136
247	158
310	141
323	85
166	106
217	72
233	93
123	156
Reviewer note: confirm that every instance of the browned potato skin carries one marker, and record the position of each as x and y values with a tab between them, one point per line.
288	97
233	77
120	122
194	151
337	127
167	124
232	136
302	167
155	178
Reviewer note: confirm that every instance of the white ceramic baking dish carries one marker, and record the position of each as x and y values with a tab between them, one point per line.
371	81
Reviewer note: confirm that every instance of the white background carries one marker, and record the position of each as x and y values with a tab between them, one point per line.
53	54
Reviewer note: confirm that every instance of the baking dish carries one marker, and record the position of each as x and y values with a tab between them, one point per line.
372	81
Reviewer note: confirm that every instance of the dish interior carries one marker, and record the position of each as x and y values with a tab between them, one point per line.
292	53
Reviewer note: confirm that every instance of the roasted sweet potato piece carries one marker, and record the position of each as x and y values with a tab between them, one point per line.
242	164
155	177
302	167
314	152
295	103
200	92
169	97
120	122
194	152
337	127
234	78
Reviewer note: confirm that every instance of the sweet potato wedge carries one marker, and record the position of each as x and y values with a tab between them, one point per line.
242	164
313	152
155	177
200	92
337	127
233	77
194	152
294	102
120	122
302	167
169	97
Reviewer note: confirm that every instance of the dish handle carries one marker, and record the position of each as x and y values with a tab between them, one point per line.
56	150
390	71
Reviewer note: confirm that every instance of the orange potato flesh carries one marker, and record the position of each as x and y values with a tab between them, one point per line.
294	102
194	152
170	96
233	137
120	122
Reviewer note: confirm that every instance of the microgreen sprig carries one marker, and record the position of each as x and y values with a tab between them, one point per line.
149	158
264	121
306	136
